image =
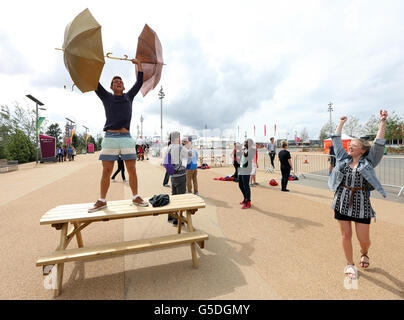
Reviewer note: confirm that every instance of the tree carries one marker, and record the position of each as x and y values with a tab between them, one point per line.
304	135
55	131
352	127
75	142
98	142
370	127
393	129
326	131
20	147
25	120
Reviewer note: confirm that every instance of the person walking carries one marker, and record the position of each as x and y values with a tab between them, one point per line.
117	140
272	151
253	181
352	179
121	168
179	161
74	153
60	154
70	153
166	175
64	153
246	167
286	164
192	168
236	155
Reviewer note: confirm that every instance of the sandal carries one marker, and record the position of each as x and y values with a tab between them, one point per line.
351	271
363	263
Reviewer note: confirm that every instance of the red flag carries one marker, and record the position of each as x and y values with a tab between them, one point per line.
265	130
275	131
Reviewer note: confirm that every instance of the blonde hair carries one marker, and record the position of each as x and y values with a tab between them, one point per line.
284	143
365	145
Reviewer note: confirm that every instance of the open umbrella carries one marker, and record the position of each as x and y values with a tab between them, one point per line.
83	51
150	53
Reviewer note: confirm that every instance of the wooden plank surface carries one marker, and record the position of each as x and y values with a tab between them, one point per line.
119	209
121	248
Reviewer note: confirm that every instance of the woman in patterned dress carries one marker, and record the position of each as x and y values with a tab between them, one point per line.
352	179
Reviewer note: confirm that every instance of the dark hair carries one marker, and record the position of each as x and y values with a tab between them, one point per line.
116	77
174	135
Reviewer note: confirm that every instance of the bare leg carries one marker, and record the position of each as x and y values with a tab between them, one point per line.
131	168
346	233
107	167
362	233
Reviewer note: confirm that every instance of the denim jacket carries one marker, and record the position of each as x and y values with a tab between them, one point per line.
365	167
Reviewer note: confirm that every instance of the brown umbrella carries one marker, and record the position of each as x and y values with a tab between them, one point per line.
83	51
150	53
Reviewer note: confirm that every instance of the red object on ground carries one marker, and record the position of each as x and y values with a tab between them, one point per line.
273	182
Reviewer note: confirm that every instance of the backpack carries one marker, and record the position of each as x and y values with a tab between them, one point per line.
167	162
168	165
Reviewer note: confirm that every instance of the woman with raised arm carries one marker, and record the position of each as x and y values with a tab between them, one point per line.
352	179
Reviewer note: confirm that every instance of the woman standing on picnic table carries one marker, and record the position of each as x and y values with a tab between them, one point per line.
352	179
244	172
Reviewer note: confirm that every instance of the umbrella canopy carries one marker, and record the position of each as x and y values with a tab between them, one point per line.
83	51
150	53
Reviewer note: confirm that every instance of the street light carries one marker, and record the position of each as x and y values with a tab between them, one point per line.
330	109
161	97
86	136
141	126
70	127
38	103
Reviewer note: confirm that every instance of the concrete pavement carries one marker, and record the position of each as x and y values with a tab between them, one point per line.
286	247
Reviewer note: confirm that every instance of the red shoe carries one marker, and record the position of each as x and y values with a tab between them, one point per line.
247	205
242	202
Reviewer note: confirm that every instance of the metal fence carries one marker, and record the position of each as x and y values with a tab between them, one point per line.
390	170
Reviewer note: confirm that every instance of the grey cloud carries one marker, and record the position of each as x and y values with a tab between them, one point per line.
216	97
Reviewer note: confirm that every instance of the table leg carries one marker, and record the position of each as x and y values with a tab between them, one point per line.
193	245
78	236
60	266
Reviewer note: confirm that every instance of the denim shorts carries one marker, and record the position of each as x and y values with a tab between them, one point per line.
118	143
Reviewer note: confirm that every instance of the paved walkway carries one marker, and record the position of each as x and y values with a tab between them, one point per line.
286	247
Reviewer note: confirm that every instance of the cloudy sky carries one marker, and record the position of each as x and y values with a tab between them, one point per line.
230	64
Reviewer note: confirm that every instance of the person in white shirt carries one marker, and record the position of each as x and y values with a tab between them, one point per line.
272	151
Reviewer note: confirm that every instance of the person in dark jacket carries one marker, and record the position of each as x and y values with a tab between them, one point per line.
121	168
244	172
286	164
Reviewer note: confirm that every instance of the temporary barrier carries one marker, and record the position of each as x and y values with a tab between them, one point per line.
390	170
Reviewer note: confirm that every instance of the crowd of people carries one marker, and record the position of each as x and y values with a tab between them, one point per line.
66	153
352	174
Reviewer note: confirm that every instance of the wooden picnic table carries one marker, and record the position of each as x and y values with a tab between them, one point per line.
79	217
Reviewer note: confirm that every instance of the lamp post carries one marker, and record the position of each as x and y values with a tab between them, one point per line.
38	103
330	109
86	136
141	126
161	97
70	127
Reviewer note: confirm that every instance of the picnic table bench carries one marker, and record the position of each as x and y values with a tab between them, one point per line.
78	216
7	166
